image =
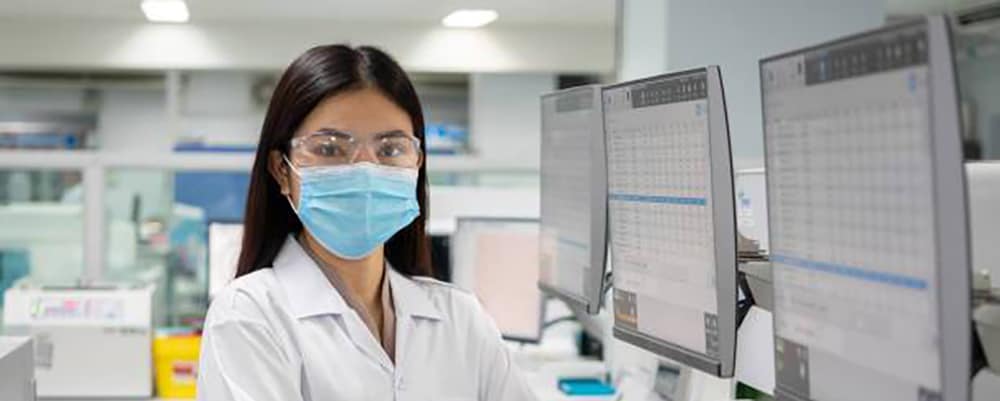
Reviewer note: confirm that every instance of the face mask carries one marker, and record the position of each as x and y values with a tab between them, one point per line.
354	208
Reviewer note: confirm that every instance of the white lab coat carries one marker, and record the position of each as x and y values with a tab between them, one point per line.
285	334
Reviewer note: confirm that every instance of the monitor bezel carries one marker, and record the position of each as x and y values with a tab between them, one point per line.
462	220
593	297
952	245
724	232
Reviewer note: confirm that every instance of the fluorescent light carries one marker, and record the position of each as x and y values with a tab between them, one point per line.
469	18
165	10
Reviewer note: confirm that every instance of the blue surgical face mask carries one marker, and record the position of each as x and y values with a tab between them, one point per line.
354	208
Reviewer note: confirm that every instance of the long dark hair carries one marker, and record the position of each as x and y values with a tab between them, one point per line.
321	72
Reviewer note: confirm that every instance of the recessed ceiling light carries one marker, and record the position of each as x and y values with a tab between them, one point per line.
165	10
469	18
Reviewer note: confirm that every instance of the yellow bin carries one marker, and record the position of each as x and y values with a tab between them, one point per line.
176	359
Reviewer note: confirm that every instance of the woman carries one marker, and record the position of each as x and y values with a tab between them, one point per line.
332	300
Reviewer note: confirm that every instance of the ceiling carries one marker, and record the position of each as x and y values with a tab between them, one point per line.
577	12
574	12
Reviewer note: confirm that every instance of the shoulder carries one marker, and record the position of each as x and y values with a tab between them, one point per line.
250	298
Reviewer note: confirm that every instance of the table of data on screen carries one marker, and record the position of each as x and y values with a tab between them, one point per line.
851	210
660	211
566	163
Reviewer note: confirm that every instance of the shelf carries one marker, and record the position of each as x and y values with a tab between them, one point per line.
80	159
197	161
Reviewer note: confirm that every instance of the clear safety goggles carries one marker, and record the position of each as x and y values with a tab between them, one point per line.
335	148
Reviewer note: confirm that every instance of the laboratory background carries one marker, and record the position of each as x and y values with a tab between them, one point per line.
681	200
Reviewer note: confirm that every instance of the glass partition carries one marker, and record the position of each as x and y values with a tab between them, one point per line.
162	218
41	227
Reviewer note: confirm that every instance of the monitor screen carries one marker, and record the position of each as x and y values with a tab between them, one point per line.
573	207
866	211
672	217
497	259
224	244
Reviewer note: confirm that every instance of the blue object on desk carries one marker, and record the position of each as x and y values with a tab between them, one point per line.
585	386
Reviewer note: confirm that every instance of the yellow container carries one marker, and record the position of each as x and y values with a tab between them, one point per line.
176	359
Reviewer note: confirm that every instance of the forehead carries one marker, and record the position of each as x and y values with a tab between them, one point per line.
360	111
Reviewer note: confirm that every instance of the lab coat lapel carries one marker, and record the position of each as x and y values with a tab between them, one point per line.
364	340
412	305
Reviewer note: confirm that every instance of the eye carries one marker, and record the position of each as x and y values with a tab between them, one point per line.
329	149
390	149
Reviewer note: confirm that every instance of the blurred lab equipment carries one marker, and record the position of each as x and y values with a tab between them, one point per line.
90	341
175	357
17	369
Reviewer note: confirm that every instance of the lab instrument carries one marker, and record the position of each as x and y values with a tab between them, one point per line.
90	341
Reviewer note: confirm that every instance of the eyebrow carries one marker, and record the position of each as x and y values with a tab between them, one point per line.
331	130
391	134
384	134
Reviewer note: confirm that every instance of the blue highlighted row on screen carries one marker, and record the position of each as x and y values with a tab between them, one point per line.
675	200
892	279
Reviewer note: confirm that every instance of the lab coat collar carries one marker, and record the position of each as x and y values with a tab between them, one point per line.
308	290
410	299
311	294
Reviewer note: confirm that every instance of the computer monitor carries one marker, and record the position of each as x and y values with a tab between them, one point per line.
497	259
225	240
573	191
867	215
672	218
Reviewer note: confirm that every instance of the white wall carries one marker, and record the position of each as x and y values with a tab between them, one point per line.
670	35
736	34
644	38
68	44
505	116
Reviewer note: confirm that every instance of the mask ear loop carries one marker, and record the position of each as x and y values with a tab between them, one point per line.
288	196
291	166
